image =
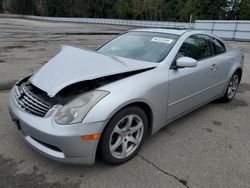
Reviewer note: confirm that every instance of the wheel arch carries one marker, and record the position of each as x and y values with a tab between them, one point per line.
144	106
239	70
141	104
148	111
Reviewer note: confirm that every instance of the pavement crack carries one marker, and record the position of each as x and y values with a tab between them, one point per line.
183	182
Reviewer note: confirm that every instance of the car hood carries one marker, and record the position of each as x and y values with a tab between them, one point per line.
74	65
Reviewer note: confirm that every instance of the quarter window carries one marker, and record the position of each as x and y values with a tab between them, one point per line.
218	46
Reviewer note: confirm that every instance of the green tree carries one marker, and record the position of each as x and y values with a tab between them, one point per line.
122	8
187	11
244	10
204	10
159	9
60	8
173	10
23	7
232	9
1	6
137	9
169	10
41	8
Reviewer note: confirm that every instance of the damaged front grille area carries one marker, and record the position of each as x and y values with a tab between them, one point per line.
31	99
35	101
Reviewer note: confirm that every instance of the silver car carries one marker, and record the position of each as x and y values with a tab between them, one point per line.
112	98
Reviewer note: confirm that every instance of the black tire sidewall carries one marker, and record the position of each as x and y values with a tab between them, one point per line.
105	150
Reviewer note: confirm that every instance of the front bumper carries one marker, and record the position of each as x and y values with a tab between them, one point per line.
59	142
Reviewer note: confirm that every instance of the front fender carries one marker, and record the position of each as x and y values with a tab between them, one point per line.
111	104
149	87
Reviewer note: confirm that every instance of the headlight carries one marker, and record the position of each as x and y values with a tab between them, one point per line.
77	109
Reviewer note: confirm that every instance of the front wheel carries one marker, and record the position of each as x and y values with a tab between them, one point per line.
124	135
232	88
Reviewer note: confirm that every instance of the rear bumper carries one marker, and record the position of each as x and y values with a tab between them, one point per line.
58	142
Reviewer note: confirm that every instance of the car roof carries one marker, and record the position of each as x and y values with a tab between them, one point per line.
159	30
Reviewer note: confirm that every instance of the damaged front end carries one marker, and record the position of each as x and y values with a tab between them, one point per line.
32	99
37	102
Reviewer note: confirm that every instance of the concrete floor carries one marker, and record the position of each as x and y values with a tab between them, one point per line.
210	147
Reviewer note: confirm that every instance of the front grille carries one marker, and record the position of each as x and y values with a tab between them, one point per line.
29	101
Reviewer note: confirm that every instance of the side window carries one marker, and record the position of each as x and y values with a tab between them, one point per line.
197	47
218	46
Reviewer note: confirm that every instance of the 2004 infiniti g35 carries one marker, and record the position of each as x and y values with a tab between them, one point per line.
111	99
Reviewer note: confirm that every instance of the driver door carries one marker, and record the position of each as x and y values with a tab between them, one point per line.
191	87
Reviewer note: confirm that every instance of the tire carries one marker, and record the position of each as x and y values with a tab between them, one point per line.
231	88
124	135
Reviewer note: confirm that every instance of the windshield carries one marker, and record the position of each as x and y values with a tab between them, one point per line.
144	46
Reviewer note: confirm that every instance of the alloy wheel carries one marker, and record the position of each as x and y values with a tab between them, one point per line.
126	136
233	86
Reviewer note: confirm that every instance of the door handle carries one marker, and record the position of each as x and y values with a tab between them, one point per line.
213	67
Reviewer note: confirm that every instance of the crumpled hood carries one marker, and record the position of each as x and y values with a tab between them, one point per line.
74	65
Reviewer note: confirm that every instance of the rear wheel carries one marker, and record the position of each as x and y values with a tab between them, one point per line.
232	88
124	135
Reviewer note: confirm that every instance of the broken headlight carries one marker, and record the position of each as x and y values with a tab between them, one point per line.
77	109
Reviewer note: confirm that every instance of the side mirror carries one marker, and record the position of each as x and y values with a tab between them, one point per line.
183	62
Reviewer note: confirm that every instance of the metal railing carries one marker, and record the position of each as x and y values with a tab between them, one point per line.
233	30
139	23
